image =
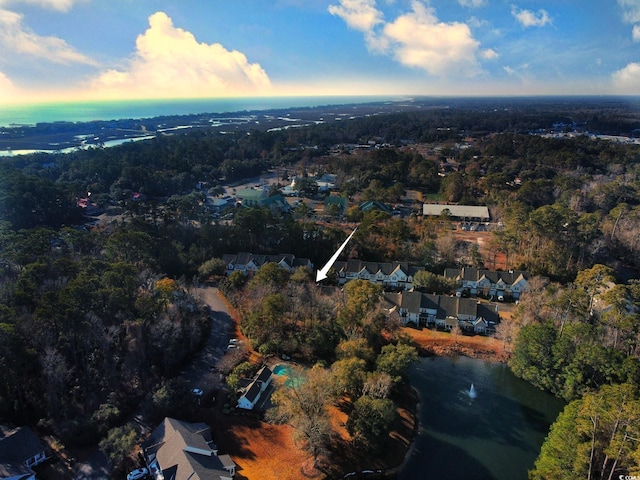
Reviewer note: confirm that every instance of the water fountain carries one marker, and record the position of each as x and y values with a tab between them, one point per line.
472	392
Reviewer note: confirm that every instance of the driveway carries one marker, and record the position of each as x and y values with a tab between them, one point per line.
198	373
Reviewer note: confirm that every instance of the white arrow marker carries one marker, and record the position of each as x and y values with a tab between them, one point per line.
322	274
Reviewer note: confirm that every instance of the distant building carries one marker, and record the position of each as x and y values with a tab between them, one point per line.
375	205
220	204
341	202
489	282
458	212
396	275
443	312
251	196
326	182
249	263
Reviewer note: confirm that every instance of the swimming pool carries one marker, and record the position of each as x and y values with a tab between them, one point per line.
282	370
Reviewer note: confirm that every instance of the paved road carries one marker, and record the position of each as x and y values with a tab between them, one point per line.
198	373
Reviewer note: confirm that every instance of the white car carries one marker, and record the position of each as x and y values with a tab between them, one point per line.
233	341
138	474
197	392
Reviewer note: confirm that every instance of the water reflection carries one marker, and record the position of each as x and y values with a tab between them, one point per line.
494	434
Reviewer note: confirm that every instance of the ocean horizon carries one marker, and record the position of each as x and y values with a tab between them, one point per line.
89	111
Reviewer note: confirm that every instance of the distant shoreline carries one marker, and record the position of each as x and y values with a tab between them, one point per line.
29	114
66	136
16	115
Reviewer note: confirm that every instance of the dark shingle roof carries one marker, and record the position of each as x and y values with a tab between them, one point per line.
19	444
263	374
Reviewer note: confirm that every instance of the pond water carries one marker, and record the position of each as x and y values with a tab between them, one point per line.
492	431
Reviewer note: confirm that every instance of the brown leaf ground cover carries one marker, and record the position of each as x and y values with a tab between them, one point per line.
433	342
265	451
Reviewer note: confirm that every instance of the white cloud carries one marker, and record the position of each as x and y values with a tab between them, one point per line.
630	10
15	37
419	40
476	22
61	5
472	3
169	61
631	14
529	18
627	79
360	15
416	39
489	54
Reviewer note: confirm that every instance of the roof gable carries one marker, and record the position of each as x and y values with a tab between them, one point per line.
185	451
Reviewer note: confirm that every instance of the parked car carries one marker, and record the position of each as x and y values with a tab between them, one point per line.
233	341
231	346
138	474
197	392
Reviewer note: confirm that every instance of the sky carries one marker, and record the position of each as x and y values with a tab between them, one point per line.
63	50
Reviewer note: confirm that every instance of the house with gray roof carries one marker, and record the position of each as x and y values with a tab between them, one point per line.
249	263
489	282
442	311
395	275
20	450
179	450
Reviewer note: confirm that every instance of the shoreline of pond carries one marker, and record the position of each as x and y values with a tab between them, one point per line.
431	343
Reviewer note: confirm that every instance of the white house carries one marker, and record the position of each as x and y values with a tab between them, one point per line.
489	282
442	311
249	263
398	275
253	392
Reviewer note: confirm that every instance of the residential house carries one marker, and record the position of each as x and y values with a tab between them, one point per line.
179	450
253	392
249	263
252	197
20	450
340	203
219	204
326	182
394	275
499	284
441	311
375	205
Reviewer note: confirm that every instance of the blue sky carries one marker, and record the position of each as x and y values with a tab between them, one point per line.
104	49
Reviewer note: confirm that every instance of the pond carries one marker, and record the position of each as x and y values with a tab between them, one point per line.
492	431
